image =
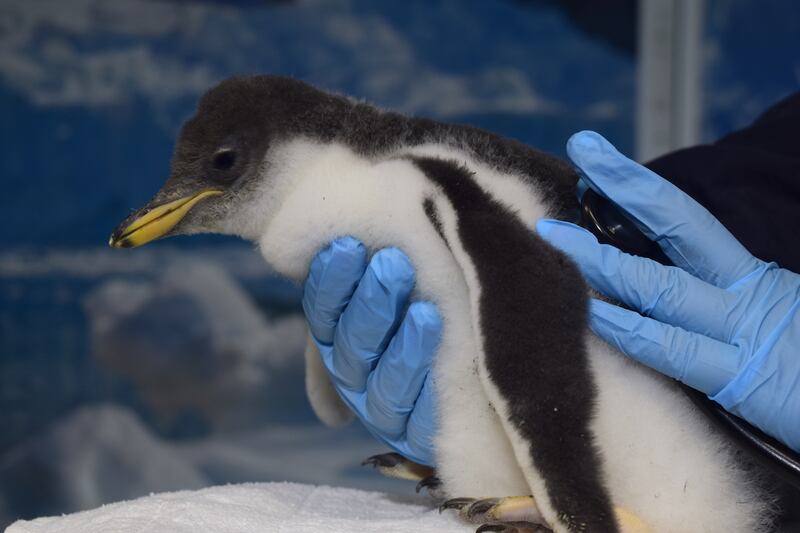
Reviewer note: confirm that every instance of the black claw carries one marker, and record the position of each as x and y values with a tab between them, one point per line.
455	503
430	482
480	507
386	460
370	461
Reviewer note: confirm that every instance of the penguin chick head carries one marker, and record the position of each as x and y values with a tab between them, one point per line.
220	158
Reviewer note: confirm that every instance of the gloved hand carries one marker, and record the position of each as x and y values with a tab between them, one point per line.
377	352
720	321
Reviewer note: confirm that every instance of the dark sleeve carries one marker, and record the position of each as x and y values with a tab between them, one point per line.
749	180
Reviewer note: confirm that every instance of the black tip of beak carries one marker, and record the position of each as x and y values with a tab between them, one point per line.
113	242
116	241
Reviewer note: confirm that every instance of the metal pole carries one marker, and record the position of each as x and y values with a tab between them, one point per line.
669	76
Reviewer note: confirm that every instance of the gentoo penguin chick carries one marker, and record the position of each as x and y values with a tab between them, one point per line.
556	426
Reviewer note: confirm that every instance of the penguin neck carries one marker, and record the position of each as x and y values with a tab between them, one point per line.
303	166
328	138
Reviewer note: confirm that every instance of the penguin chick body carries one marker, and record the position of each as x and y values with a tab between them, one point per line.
529	401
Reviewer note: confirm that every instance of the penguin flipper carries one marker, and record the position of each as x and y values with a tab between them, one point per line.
324	400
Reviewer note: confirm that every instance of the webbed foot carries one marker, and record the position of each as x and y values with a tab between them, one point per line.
519	514
396	466
514	514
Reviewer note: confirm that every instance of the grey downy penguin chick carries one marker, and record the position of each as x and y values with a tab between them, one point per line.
563	430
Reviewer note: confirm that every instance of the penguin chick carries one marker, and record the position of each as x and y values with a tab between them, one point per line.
530	402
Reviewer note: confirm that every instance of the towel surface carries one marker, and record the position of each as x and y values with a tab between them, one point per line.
254	507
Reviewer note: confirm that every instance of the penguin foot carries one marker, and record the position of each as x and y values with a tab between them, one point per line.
513	509
514	514
396	466
519	514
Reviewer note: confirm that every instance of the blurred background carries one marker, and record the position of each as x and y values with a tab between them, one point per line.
180	365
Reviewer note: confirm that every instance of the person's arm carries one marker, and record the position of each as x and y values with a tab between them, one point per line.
721	321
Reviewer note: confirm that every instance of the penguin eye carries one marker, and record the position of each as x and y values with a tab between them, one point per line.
224	159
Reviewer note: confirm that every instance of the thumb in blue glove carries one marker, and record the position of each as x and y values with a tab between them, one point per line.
721	321
377	348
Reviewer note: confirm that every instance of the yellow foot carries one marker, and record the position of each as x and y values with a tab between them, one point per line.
519	514
514	514
396	466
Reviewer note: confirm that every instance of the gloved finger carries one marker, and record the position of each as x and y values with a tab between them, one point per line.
668	294
422	425
687	233
371	317
395	384
767	391
701	362
332	277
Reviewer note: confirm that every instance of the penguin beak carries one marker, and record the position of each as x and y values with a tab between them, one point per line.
153	222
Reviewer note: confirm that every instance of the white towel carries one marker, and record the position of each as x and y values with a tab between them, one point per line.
256	507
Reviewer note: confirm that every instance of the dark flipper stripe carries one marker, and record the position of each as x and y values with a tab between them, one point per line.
533	313
433	216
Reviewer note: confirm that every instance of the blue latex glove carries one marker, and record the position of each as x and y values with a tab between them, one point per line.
721	321
378	349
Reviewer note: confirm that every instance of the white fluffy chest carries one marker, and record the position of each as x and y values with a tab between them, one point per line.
335	193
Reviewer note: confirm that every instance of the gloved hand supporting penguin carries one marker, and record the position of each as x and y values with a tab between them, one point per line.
529	406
